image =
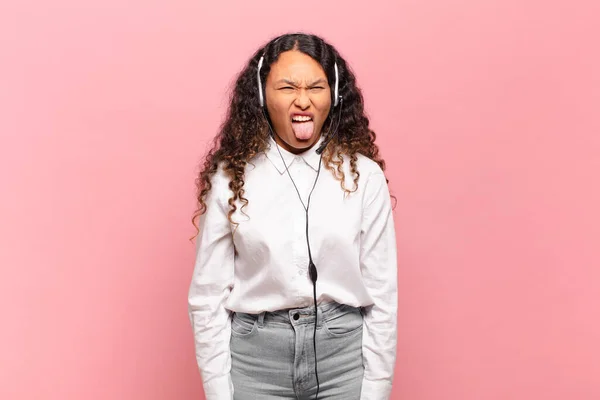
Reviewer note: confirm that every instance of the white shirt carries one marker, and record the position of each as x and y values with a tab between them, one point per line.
263	265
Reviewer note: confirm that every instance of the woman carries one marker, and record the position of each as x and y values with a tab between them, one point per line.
293	294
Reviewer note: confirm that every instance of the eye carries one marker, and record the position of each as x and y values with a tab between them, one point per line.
317	88
286	88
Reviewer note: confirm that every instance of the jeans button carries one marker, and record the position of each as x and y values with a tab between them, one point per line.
296	317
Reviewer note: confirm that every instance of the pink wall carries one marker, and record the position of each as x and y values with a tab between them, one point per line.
487	112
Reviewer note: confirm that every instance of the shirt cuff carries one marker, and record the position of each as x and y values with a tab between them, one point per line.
375	390
219	388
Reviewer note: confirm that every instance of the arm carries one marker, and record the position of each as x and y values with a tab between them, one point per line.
211	283
379	270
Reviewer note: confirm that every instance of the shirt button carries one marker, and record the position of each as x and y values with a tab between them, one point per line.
296	317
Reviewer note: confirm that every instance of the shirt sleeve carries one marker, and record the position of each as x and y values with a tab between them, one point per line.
211	284
378	264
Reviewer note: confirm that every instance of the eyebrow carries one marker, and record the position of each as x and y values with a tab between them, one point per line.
289	82
319	81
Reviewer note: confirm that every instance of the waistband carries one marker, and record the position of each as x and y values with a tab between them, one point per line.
303	315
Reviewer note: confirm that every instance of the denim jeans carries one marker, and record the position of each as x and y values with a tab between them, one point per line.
272	355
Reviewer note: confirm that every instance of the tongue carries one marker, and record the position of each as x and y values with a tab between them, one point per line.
303	130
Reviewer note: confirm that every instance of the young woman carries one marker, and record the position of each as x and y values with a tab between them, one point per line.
294	290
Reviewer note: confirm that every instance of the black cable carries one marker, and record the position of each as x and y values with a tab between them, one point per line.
312	269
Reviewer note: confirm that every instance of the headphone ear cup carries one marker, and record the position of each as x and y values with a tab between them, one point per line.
336	95
261	101
261	98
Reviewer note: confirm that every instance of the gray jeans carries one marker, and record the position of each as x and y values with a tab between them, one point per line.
272	355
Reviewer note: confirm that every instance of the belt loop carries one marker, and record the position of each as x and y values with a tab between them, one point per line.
261	319
319	317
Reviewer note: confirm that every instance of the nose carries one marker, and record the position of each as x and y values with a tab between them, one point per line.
302	100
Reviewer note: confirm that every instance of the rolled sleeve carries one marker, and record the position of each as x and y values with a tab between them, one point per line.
379	270
211	284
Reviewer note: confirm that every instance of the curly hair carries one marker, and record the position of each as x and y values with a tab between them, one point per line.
245	131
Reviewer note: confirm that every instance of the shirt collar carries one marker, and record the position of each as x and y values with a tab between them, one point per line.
309	157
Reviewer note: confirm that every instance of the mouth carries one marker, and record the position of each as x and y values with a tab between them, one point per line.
303	126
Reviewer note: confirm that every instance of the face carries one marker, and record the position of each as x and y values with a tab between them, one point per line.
298	99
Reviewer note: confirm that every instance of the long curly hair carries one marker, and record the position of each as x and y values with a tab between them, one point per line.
245	131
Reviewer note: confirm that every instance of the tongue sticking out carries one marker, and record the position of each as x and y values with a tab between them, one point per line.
303	130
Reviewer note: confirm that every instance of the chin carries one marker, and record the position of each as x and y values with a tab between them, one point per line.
304	143
300	144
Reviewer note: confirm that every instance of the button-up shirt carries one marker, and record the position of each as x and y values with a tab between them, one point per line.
261	264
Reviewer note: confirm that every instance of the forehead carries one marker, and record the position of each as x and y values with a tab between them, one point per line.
296	65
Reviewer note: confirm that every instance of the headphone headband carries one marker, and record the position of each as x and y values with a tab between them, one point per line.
261	98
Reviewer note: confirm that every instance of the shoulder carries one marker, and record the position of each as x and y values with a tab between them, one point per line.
220	177
371	180
366	166
219	185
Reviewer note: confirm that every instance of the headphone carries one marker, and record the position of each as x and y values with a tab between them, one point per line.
261	98
312	269
337	99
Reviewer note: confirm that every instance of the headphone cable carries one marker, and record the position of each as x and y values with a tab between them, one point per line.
312	269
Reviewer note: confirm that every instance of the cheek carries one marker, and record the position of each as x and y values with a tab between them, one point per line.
323	105
322	99
280	114
277	110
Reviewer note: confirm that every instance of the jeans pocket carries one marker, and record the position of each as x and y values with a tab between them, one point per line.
243	324
344	321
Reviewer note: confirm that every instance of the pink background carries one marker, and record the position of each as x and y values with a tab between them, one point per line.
487	113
